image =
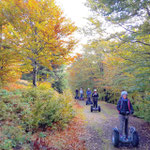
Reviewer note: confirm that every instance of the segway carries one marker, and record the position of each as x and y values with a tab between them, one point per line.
89	102
76	97
133	138
93	108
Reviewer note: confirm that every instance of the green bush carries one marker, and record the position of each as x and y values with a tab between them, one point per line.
4	92
37	107
4	108
31	109
58	110
141	105
33	94
13	137
17	92
48	108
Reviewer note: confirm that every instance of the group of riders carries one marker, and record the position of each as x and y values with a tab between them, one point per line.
124	106
89	94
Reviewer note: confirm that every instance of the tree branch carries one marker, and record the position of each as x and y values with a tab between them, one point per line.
148	11
126	28
141	43
136	41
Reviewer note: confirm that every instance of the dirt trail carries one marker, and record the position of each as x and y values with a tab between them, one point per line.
99	128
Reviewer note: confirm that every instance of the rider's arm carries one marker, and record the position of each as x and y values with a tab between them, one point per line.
90	92
118	105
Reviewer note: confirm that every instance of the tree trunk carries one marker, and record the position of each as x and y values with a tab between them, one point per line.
101	67
0	37
35	70
35	67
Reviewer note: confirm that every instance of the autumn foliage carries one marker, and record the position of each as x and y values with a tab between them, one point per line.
65	140
70	138
37	33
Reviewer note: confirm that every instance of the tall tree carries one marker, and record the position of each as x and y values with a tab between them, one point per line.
41	35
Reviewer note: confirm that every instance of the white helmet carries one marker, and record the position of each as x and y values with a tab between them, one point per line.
124	93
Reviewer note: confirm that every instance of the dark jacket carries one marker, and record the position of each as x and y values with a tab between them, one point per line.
124	106
77	91
95	96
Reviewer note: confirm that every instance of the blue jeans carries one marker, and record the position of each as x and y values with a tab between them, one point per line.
81	96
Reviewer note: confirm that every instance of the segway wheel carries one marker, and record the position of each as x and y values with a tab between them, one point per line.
86	103
135	139
91	108
99	108
115	138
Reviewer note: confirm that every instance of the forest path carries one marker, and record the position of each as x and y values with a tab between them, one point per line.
99	127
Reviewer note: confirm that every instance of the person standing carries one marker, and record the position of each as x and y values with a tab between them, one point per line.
95	98
88	94
124	108
81	94
77	94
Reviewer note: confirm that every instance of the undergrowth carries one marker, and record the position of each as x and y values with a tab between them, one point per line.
24	111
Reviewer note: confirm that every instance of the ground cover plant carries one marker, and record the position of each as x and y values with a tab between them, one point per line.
25	111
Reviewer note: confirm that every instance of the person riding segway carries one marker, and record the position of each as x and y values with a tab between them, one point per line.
77	94
88	94
125	108
95	106
81	94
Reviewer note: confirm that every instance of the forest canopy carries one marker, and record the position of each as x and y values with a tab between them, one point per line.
120	60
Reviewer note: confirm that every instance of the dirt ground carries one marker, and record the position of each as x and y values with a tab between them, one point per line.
99	127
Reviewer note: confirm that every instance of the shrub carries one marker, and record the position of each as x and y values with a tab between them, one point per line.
4	92
17	92
13	136
39	107
30	109
48	108
44	86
